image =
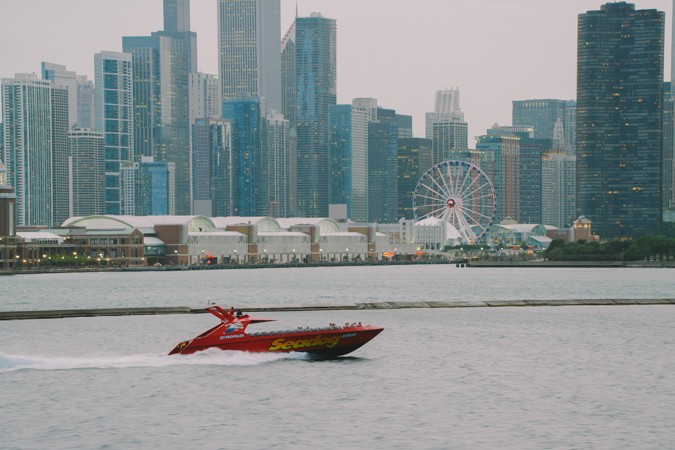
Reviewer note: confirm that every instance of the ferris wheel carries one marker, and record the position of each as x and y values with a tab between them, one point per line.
459	193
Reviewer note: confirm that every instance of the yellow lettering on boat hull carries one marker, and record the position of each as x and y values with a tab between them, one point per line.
317	341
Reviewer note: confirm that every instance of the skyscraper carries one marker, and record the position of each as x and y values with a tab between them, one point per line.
59	154
249	50
446	127
414	158
383	167
316	69
86	108
212	168
500	160
35	124
205	96
348	160
87	173
619	119
247	116
114	118
288	109
668	148
542	114
155	187
162	64
276	159
177	15
558	195
80	94
59	76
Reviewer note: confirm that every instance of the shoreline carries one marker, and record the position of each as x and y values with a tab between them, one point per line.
457	262
98	312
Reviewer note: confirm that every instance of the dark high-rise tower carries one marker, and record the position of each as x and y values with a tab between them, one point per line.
619	119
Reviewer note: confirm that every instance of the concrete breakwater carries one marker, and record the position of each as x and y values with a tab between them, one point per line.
69	313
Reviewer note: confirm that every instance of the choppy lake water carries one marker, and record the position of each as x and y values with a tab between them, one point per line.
585	377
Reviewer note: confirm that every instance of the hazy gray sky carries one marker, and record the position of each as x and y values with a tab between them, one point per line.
398	51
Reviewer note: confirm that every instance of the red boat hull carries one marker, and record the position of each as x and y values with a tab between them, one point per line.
326	343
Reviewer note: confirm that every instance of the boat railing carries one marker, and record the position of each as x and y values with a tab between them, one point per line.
297	330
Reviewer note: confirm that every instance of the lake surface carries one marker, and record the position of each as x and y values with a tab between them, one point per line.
327	285
572	377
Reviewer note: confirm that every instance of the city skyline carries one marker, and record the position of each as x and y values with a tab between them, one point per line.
524	57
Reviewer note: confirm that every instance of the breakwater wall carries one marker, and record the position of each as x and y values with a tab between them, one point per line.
95	312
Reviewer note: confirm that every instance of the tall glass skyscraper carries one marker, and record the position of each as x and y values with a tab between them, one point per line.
156	185
619	119
348	160
162	65
248	155
414	158
114	118
35	127
277	163
316	83
212	169
558	195
249	35
383	167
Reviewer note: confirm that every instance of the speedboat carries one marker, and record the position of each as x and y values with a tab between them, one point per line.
230	334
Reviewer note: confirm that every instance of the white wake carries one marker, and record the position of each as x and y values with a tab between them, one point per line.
210	357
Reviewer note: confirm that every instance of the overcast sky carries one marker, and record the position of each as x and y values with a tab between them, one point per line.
398	51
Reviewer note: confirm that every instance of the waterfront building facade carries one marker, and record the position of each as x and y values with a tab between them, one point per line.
7	221
619	119
316	84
